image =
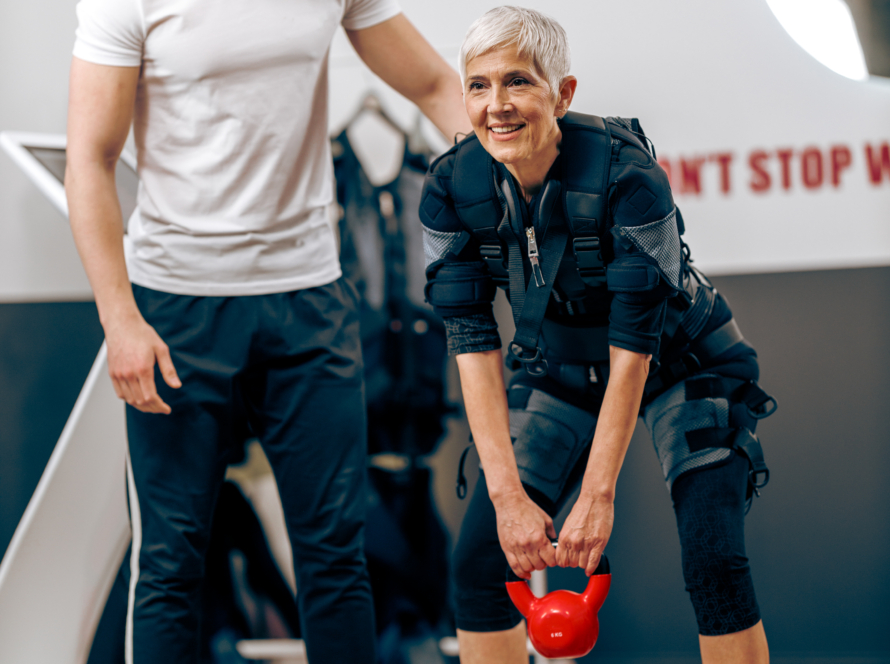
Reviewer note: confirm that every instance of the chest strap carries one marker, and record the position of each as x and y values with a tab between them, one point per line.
529	305
587	151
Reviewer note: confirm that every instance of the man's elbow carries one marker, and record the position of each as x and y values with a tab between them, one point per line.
89	158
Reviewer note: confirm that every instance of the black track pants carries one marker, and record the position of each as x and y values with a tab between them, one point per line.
285	368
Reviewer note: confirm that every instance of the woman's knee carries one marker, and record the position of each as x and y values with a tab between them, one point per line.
710	516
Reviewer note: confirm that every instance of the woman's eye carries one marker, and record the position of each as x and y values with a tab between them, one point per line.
475	86
519	81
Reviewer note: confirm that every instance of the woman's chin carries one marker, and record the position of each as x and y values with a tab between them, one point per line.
504	154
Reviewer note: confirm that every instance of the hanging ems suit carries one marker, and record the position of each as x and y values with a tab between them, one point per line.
403	349
578	281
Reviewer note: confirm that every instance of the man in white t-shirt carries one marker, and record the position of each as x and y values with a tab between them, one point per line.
237	321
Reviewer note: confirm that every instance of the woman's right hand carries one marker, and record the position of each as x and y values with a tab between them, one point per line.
525	532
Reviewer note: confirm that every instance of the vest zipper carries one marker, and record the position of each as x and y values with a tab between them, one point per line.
533	256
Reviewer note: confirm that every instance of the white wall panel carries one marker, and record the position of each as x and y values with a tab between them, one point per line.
38	260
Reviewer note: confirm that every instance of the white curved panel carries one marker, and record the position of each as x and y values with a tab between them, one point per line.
58	569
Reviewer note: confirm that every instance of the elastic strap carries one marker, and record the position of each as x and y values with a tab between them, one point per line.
530	304
758	404
461	478
743	441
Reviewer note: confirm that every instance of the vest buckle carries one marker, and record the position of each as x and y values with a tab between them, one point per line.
493	255
589	257
532	360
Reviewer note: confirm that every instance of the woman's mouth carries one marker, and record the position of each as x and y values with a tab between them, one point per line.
505	130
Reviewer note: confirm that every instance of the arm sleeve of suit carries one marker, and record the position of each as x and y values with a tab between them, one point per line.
459	285
647	267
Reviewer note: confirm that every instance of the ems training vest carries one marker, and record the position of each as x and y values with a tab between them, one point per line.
613	261
588	149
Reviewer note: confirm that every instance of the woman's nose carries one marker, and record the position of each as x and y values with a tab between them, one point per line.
500	101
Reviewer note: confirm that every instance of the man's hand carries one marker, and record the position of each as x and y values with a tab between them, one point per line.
585	533
525	531
133	348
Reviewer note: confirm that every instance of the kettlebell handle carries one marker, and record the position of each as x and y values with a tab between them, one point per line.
602	568
595	592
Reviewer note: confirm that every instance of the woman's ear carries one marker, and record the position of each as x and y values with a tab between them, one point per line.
566	94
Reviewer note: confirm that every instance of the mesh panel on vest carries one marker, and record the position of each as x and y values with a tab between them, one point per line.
437	243
661	241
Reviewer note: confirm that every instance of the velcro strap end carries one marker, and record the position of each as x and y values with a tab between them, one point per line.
701	439
459	292
631	279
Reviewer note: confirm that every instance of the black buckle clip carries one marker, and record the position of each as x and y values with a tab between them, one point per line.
682	368
589	256
491	252
760	405
752	477
763	411
535	365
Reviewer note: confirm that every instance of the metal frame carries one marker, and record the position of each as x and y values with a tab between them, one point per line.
16	144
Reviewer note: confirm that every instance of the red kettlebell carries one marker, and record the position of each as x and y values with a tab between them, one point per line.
563	624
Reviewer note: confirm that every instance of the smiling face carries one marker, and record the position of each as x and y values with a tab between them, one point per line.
513	110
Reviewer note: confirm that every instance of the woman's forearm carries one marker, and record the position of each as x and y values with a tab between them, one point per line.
618	417
485	401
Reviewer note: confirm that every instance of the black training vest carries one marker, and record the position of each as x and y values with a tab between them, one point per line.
587	155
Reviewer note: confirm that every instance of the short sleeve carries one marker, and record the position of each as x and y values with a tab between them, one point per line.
110	32
361	14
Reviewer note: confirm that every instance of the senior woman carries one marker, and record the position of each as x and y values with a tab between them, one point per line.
572	215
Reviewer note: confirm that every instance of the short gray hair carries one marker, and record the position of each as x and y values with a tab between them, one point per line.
538	37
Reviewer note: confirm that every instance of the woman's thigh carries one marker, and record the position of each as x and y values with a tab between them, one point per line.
550	438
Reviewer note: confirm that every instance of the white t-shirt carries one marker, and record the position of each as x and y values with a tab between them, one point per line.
231	136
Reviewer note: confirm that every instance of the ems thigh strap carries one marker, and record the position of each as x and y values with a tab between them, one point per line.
699	421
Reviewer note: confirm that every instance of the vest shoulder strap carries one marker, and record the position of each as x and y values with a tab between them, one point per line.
476	203
475	199
587	150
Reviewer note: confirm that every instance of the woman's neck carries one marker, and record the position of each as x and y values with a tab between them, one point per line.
531	173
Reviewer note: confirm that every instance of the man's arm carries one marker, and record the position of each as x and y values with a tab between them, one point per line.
524	529
398	53
589	525
100	109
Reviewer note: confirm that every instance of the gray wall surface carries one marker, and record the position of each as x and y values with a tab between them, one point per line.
46	351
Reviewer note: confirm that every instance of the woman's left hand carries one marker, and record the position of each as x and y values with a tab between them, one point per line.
585	533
